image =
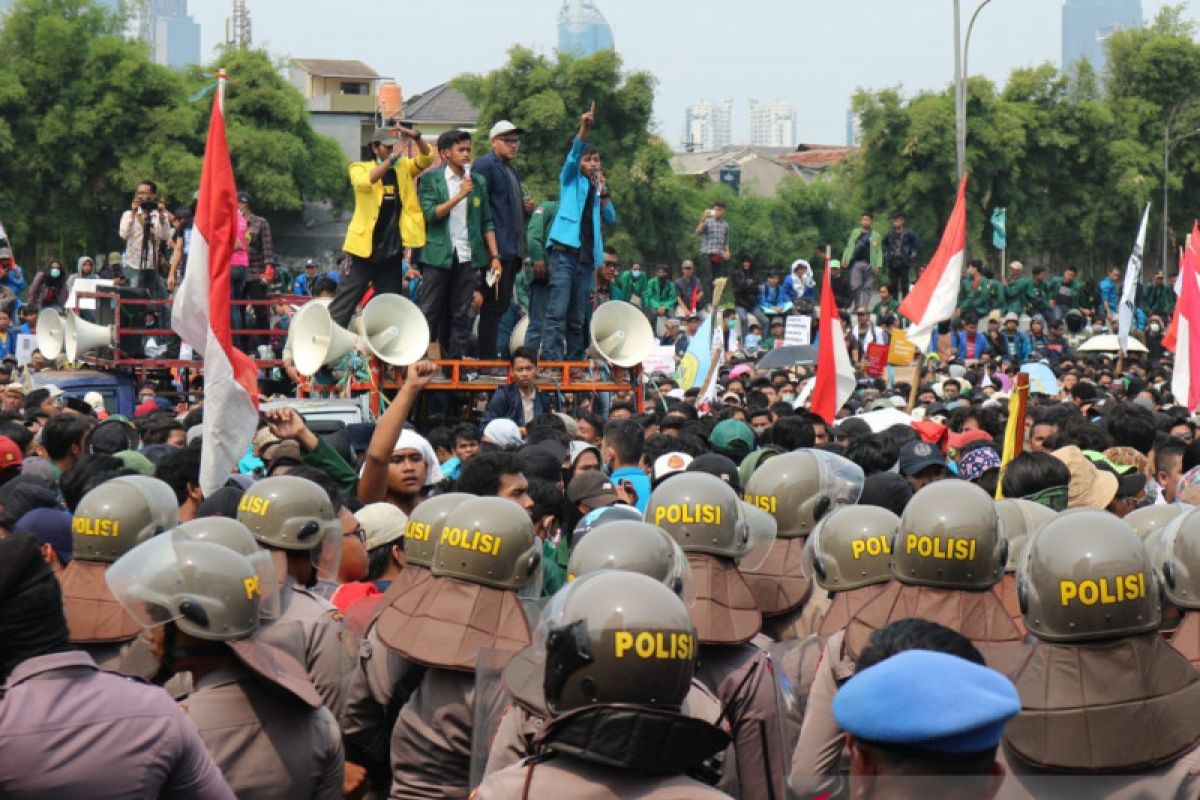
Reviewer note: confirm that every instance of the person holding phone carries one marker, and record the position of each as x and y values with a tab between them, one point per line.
714	245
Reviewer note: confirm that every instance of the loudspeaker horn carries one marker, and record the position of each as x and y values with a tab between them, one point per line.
518	335
394	329
316	339
83	336
51	333
621	334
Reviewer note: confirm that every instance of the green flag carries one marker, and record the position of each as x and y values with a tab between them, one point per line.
999	238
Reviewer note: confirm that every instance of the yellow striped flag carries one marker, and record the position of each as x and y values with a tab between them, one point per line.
1014	431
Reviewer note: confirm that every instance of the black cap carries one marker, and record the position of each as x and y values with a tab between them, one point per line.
244	197
886	490
916	456
719	465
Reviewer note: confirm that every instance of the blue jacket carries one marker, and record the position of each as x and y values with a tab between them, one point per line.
508	219
1018	347
959	342
573	191
773	296
1110	290
506	404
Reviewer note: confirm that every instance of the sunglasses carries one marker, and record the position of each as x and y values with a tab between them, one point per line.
513	140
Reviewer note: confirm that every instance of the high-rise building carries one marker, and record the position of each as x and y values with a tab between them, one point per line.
582	29
853	128
772	124
1086	24
708	125
173	36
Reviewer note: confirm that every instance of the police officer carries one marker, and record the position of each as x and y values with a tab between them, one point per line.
1101	693
294	519
947	555
485	554
70	729
620	652
380	683
1019	519
1181	574
108	522
703	515
797	488
255	708
621	545
851	551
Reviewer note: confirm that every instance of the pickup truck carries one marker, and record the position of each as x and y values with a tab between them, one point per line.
118	389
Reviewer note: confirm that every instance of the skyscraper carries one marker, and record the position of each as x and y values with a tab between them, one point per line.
1087	23
853	128
772	124
173	36
708	125
582	29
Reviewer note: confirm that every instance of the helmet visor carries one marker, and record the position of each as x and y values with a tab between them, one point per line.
841	479
327	556
761	528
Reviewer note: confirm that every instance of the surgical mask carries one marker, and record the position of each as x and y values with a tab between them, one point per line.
637	273
1155	328
787	397
731	324
54	273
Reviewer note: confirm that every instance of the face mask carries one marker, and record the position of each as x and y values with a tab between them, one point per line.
731	324
1155	328
54	273
637	273
787	397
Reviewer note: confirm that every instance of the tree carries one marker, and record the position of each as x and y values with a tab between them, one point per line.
277	156
86	116
545	95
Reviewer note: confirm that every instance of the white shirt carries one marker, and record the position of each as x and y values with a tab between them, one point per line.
457	220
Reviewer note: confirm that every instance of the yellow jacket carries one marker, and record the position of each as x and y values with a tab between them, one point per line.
368	197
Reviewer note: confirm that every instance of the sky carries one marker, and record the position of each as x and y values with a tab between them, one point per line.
811	53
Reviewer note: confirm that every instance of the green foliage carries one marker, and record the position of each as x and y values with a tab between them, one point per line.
1072	162
657	210
85	115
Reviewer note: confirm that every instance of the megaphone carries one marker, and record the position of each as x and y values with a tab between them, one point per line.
316	339
394	329
83	336
621	334
51	333
519	333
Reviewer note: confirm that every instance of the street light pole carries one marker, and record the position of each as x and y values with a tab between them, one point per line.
1167	142
960	111
960	85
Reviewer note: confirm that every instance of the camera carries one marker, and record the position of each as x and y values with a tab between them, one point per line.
148	206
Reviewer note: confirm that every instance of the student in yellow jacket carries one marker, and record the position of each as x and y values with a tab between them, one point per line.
387	219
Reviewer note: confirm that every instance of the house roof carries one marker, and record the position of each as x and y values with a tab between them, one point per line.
818	156
709	160
442	103
336	68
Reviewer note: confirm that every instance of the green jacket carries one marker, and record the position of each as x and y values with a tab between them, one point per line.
1019	296
1041	294
438	251
660	294
882	309
1157	299
325	458
982	300
876	249
631	286
538	231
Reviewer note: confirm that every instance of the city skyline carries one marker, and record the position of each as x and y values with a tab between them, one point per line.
1087	23
913	52
582	29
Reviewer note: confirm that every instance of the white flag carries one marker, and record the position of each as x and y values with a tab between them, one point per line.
3	234
1133	276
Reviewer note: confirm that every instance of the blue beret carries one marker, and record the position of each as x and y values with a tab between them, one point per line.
927	701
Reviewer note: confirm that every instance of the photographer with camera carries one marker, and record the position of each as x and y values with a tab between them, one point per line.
145	229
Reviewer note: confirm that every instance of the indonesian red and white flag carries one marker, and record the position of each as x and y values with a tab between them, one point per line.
935	295
1188	261
201	314
1185	378
835	374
